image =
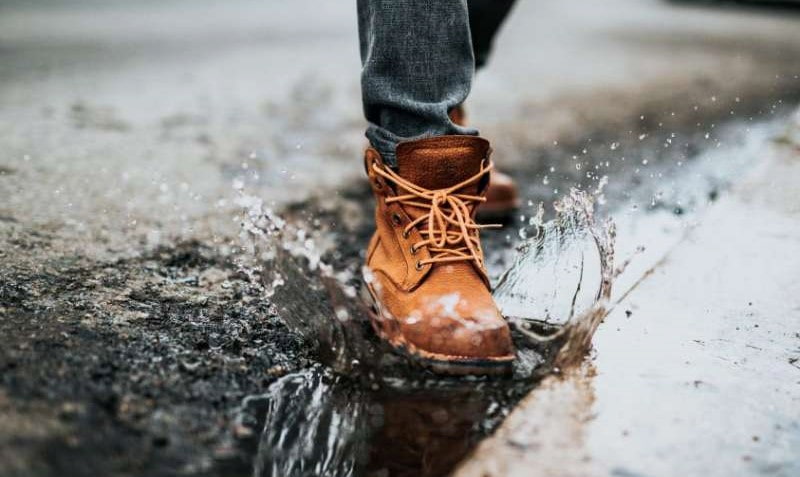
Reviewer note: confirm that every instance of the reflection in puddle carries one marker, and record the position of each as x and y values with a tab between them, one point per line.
322	424
313	426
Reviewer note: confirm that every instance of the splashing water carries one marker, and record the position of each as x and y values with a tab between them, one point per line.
555	291
365	409
283	261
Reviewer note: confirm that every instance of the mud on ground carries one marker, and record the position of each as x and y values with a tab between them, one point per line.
132	366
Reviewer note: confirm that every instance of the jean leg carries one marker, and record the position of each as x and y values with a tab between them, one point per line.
485	18
418	64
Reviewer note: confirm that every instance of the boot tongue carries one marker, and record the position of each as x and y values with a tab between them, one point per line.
442	162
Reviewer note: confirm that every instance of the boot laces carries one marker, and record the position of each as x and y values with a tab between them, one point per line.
449	228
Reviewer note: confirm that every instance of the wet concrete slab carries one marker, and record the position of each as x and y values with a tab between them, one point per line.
695	372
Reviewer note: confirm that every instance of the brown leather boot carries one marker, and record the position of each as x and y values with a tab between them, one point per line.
425	267
501	196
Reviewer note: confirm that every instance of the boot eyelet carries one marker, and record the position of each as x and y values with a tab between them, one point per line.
396	219
413	250
406	234
419	265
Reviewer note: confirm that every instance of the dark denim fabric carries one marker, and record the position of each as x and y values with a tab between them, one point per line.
485	18
418	63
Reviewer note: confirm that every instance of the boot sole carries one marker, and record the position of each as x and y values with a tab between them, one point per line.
436	362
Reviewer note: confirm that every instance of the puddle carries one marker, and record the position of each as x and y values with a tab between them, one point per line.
364	410
317	422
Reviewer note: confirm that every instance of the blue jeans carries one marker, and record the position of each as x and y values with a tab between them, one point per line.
419	57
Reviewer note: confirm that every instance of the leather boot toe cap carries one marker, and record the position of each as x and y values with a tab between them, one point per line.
481	334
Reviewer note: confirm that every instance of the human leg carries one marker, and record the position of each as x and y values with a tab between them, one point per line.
418	65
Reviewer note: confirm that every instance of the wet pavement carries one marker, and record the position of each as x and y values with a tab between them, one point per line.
157	322
694	372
